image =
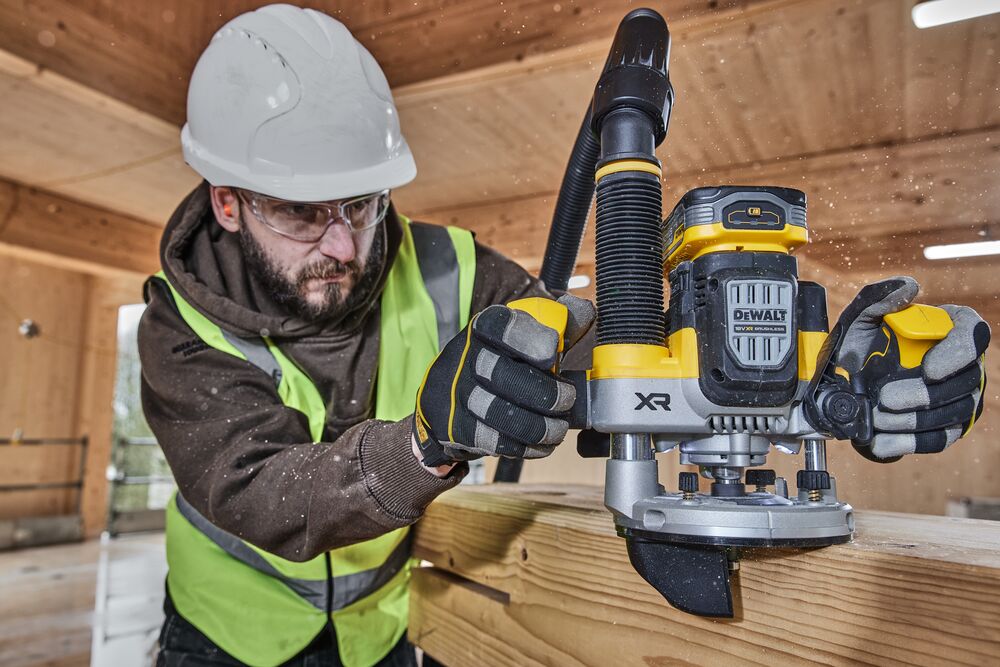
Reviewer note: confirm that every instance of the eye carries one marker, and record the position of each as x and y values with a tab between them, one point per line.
358	206
295	211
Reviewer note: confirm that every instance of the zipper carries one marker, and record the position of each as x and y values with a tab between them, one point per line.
329	599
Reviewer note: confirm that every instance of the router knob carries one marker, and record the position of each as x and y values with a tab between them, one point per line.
688	482
761	478
814	481
843	407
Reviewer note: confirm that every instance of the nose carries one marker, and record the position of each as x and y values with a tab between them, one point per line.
338	243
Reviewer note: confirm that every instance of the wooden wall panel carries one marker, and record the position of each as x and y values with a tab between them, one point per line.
38	395
40	374
59	384
41	502
39	465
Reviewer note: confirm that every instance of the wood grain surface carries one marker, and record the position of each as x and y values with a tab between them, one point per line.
535	575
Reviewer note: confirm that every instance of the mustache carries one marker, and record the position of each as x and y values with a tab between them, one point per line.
328	268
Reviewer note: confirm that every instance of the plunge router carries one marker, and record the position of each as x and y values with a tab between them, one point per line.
747	364
740	361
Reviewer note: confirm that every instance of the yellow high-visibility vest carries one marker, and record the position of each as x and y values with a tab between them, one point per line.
260	608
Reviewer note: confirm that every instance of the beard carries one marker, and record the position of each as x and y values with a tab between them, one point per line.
291	292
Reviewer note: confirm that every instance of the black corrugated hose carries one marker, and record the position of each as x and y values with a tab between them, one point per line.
629	259
576	194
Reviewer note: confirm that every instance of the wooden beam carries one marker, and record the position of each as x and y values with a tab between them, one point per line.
56	230
96	390
535	575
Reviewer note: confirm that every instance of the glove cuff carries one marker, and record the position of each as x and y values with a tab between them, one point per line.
432	451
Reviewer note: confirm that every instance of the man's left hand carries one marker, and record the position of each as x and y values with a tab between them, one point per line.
928	413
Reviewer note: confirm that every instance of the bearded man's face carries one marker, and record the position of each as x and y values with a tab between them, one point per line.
316	281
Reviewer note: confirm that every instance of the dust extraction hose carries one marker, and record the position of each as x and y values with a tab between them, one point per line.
576	194
629	114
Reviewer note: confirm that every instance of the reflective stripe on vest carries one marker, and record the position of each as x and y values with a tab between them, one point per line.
347	589
257	353
439	270
231	590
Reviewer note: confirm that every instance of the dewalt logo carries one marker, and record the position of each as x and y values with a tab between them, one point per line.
760	315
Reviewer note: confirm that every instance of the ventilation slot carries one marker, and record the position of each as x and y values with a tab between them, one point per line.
742	424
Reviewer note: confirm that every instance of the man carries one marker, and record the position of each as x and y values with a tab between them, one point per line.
285	342
316	368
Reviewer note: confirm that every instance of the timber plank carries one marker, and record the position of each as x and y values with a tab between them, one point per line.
910	589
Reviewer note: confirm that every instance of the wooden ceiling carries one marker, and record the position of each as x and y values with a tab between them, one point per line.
781	81
893	132
143	52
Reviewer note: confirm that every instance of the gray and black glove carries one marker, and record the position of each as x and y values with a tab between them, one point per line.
927	408
492	392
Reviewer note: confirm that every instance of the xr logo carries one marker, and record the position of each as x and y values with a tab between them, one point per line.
653	400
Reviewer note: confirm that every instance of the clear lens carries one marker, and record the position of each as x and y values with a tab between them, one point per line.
365	212
295	220
308	222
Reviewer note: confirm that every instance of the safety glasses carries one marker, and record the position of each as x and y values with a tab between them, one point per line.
308	221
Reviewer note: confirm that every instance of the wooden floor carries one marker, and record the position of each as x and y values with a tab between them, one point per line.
61	606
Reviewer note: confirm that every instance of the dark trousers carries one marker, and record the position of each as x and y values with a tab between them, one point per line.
183	645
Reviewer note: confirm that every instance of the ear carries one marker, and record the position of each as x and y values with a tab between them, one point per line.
226	206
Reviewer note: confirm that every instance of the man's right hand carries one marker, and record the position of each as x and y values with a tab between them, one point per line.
491	391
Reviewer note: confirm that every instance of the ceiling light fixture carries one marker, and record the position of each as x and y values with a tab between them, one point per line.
956	250
939	12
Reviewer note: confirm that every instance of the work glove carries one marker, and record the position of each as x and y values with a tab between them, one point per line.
930	409
492	391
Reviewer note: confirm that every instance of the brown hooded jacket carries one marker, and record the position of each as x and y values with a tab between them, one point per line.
240	457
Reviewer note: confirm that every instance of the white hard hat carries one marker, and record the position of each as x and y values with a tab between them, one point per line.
285	102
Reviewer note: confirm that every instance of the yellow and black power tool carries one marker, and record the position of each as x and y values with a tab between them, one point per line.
740	361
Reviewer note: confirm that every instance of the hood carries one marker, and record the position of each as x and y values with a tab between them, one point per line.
204	263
